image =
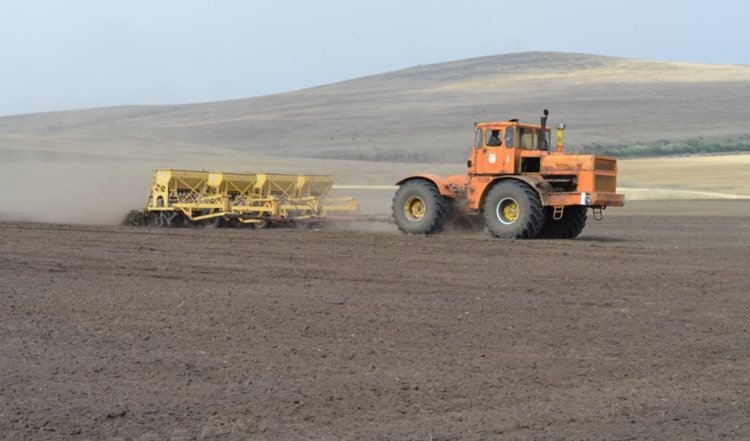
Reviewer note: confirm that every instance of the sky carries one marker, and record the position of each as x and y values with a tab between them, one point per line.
59	55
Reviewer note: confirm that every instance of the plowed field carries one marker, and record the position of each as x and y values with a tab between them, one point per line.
636	330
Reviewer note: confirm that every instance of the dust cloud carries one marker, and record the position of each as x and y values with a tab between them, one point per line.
374	203
39	188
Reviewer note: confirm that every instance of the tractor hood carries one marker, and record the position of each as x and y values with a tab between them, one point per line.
572	164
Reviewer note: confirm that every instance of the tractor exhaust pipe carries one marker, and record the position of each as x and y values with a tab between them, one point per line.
543	136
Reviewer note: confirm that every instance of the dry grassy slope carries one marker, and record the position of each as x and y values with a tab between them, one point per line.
420	113
691	177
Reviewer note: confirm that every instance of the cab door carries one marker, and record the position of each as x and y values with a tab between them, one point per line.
475	149
491	156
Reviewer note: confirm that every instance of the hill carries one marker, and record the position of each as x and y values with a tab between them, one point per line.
420	114
93	165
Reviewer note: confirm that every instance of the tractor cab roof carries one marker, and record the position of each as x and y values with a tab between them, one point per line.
509	123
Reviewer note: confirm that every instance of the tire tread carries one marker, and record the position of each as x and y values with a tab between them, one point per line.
536	214
569	227
442	206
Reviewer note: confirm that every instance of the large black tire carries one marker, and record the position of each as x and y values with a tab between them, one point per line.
418	208
513	210
568	227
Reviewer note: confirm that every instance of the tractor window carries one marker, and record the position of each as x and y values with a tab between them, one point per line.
494	138
526	138
530	140
509	137
478	139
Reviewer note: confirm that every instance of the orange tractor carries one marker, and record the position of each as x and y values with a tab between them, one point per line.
515	185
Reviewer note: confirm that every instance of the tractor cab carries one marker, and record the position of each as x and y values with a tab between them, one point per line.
508	147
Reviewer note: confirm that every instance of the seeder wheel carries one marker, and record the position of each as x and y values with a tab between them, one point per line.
136	218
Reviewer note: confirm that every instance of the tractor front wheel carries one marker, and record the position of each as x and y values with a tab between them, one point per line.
418	208
513	210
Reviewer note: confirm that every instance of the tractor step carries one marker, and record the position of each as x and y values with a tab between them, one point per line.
598	214
557	212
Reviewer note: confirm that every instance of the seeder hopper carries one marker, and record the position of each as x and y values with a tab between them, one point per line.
193	198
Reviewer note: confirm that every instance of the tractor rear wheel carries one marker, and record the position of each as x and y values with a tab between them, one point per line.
513	210
569	226
418	208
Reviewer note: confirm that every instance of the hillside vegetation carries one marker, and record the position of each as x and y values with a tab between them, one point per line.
667	148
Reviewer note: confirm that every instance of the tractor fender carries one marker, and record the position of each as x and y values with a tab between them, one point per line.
442	184
538	184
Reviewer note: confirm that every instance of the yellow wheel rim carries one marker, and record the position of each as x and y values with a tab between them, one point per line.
414	209
507	211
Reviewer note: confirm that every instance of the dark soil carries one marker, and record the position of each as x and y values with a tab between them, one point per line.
636	330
